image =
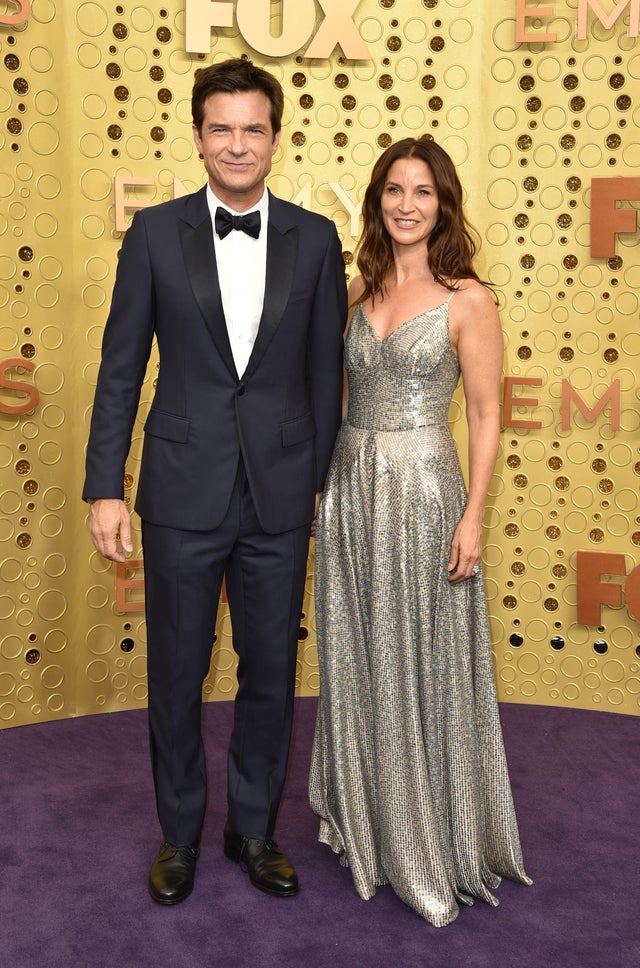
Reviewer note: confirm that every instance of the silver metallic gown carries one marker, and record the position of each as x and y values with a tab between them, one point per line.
408	774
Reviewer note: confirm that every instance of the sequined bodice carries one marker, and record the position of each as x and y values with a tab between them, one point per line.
404	381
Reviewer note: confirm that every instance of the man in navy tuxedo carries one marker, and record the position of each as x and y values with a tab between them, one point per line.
245	294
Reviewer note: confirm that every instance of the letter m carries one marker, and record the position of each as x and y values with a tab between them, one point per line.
608	20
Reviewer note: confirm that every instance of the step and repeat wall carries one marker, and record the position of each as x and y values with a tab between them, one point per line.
539	107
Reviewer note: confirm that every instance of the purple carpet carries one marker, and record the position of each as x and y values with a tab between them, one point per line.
78	831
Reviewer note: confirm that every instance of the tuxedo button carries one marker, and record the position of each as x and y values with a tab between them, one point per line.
241	392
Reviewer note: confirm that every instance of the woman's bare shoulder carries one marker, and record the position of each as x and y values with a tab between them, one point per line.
474	294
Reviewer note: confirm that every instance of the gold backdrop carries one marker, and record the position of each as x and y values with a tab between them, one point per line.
532	103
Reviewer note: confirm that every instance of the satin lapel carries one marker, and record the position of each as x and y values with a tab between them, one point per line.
200	260
282	248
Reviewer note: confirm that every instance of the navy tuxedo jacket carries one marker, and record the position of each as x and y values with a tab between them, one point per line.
282	415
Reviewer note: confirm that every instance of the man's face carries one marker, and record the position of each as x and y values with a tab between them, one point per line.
237	144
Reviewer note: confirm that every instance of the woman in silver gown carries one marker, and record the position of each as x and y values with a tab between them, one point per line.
409	776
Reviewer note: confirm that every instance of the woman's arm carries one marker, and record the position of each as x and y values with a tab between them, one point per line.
476	336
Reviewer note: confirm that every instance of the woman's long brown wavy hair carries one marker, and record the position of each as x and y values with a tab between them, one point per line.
451	247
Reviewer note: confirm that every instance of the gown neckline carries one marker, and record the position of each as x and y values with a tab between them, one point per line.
412	319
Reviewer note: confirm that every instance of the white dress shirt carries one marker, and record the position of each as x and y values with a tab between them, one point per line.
242	267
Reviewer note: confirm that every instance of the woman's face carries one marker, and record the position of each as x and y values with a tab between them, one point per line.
409	201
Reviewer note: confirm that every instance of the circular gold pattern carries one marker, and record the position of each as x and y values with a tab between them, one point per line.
557	643
600	647
553	532
23	467
163	34
596	535
392	103
32	656
25	253
127	645
114	131
520	480
341	81
551	132
11	62
605	486
298	138
24	540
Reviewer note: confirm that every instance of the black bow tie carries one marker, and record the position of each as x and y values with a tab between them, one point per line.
225	221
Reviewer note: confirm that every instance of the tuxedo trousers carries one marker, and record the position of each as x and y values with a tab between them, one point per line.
265	580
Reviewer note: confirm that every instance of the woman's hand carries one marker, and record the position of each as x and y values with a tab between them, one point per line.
466	551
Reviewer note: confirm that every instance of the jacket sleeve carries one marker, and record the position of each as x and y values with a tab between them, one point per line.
126	347
328	321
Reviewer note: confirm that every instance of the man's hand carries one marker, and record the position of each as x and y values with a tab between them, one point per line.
110	528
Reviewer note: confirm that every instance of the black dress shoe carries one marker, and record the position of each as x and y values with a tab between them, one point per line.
268	868
172	873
